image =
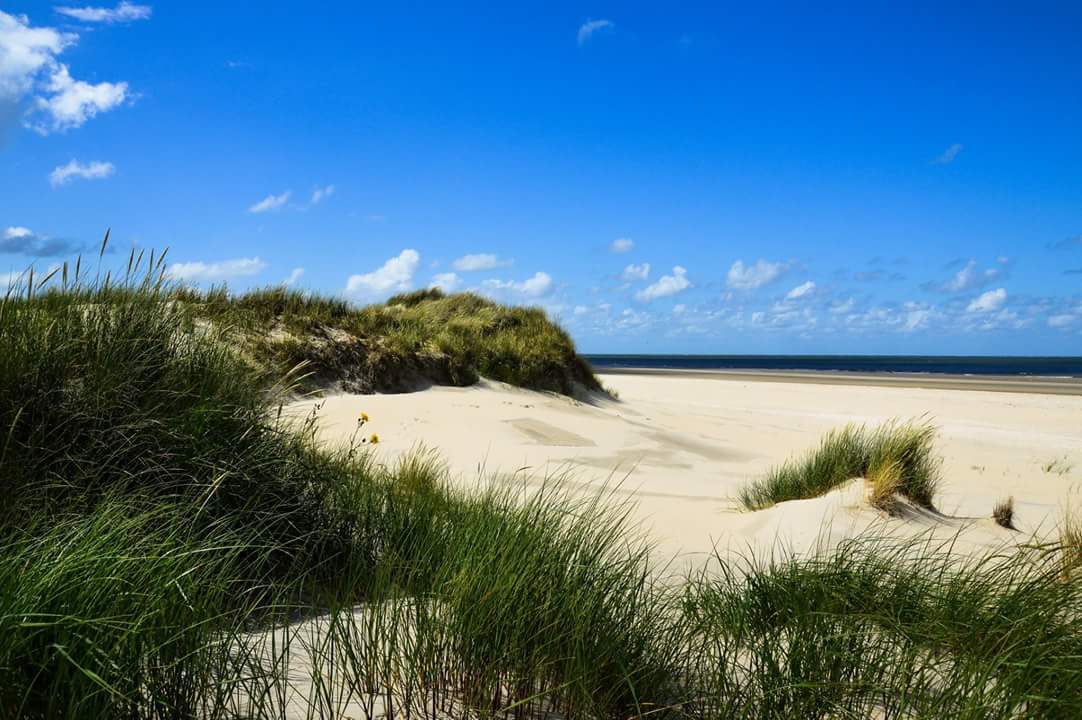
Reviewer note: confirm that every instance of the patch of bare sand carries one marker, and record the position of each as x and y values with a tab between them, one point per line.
681	447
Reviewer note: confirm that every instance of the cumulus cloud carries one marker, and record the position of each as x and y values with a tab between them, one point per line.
448	282
395	274
621	245
294	276
970	277
25	52
209	272
532	287
1062	321
322	193
908	318
29	68
948	155
636	272
666	285
988	302
94	170
122	13
480	261
271	202
588	28
68	103
17	240
802	290
753	277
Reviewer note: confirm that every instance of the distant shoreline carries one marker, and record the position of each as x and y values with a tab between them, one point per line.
938	381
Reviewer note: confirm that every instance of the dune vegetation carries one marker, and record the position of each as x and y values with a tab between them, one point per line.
894	458
171	548
410	341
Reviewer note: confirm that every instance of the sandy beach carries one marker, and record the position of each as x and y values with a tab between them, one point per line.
679	446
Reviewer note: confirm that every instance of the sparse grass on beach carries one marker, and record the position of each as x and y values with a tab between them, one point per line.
1058	466
895	458
170	549
1003	513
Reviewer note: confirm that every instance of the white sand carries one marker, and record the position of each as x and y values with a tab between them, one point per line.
681	447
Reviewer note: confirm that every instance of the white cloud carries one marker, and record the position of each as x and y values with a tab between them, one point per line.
989	301
201	271
621	245
25	52
124	12
590	27
948	155
532	287
28	63
580	310
1062	321
800	291
448	282
16	233
752	277
916	318
636	272
841	308
322	193
271	202
395	274
480	261
94	170
294	276
68	103
970	278
666	285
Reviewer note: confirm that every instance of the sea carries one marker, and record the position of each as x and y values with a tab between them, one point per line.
913	364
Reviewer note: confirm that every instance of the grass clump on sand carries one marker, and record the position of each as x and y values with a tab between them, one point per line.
413	339
1003	513
895	459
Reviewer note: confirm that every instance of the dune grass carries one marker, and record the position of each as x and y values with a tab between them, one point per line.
880	630
411	339
1003	513
894	458
169	549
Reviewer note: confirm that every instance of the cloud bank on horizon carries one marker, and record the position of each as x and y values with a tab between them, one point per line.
658	182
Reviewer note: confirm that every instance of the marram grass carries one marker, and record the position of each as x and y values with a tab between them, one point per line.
894	458
169	550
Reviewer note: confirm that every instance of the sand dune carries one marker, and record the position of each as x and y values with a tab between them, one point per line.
680	447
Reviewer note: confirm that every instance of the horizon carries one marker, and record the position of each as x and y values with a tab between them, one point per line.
663	181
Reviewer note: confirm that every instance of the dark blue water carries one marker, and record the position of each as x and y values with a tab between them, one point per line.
1047	366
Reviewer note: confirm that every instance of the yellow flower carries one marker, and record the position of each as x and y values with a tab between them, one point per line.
374	439
364	417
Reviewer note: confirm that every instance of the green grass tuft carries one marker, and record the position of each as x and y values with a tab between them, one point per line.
898	455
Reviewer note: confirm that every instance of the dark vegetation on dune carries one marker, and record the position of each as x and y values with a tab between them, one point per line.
163	535
412	340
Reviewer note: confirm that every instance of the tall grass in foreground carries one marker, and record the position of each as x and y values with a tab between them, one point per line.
877	630
168	549
895	458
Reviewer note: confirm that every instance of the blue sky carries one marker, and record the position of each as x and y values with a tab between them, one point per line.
662	177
